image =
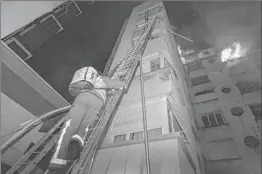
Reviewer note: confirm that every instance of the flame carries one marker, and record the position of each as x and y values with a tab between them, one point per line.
234	51
181	53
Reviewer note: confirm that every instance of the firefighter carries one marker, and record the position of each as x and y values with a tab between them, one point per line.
91	90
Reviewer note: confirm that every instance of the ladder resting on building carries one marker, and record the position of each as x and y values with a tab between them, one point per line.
33	156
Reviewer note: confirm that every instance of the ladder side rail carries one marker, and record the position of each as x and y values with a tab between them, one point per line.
32	150
40	156
97	133
132	50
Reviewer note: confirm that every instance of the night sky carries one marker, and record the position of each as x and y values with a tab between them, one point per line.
90	37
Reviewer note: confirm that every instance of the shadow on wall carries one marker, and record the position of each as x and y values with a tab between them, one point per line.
226	167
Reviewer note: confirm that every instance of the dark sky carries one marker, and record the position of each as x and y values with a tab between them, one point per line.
89	39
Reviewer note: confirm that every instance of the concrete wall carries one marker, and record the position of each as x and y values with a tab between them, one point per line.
128	118
161	85
12	116
130	159
184	164
224	145
16	14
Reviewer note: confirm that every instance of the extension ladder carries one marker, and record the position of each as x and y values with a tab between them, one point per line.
128	66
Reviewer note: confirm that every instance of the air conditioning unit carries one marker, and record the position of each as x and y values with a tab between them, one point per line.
207	53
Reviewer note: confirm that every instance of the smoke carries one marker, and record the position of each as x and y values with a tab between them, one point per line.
221	23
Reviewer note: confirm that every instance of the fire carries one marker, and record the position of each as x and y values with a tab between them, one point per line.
232	52
181	54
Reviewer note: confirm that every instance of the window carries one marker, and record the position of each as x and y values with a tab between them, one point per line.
251	142
151	12
18	48
248	87
136	136
120	138
173	122
204	92
222	149
226	90
143	25
256	110
155	36
200	80
154	133
155	64
194	65
213	119
138	33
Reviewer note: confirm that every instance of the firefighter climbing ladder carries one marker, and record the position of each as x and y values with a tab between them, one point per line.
30	159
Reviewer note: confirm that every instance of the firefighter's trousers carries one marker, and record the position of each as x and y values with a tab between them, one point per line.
81	116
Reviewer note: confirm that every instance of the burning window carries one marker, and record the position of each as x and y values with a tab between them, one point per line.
234	51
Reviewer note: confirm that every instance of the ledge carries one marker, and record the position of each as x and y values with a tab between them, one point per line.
174	135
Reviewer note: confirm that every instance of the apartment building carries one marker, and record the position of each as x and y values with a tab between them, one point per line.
226	96
174	145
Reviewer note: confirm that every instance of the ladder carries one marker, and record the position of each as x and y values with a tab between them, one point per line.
129	65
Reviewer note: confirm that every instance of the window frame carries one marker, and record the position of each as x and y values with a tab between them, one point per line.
132	135
55	20
202	82
156	62
252	107
203	92
115	141
150	12
244	86
207	115
191	68
172	117
13	39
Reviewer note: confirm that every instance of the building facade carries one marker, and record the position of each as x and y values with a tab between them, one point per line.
24	97
226	98
174	145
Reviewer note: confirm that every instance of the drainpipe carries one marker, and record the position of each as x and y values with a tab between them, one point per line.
144	117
